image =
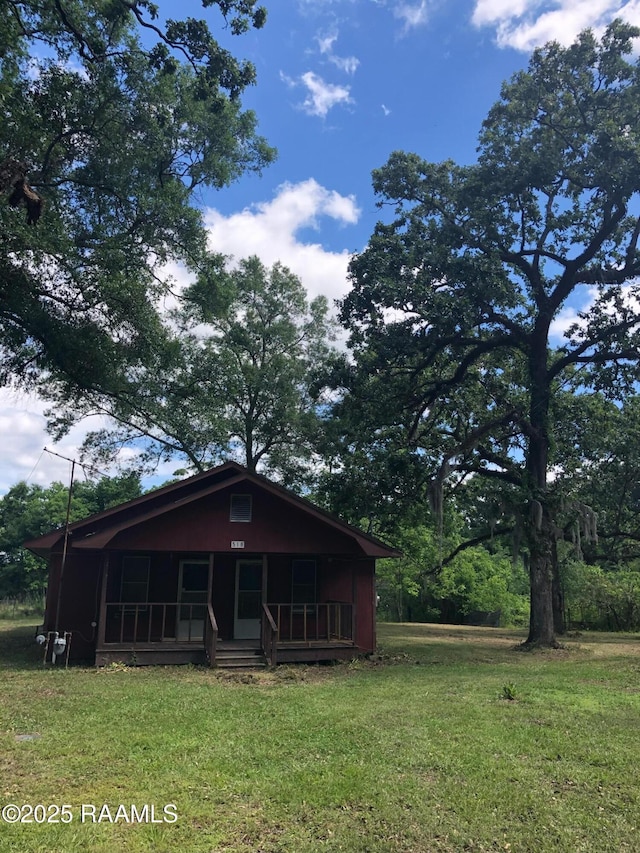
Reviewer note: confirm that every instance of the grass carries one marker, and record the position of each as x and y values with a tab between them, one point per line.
27	605
450	739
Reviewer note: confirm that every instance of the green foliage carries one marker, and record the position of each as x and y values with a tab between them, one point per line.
401	583
602	472
600	600
452	302
509	692
30	604
470	586
27	511
480	582
371	477
114	122
235	381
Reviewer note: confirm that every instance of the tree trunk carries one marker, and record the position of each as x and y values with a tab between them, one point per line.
557	592
539	531
541	619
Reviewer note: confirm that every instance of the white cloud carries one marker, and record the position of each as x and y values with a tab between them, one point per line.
325	43
565	319
270	229
570	315
348	64
322	95
526	24
24	437
492	11
412	14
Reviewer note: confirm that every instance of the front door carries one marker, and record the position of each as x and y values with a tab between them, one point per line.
248	610
193	593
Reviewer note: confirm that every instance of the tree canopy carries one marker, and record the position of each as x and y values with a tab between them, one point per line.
453	300
111	123
235	381
27	511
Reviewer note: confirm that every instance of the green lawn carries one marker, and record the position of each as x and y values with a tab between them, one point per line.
418	750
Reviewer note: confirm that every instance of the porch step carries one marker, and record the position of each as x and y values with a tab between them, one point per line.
239	657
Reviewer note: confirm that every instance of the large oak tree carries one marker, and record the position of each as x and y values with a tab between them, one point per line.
234	382
454	299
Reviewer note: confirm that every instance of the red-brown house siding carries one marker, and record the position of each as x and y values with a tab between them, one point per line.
336	579
365	606
354	580
80	601
276	527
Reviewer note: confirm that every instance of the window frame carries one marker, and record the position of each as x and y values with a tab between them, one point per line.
295	563
246	497
128	558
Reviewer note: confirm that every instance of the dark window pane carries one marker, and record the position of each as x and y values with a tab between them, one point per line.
250	576
249	605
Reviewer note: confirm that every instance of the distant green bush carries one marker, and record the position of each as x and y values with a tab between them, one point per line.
415	588
601	600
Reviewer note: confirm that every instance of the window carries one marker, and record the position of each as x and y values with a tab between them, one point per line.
193	594
240	508
303	582
134	588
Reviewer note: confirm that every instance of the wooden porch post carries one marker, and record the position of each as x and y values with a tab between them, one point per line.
102	616
264	578
210	625
210	580
354	598
264	602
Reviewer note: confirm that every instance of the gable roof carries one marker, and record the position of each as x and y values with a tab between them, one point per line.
97	531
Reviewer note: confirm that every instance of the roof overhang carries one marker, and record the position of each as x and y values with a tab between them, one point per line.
98	532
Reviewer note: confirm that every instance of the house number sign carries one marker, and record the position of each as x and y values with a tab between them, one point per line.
237	543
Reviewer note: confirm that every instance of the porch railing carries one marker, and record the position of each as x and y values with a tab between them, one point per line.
306	623
210	635
269	636
155	622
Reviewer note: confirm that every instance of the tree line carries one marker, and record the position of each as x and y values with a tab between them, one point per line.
454	421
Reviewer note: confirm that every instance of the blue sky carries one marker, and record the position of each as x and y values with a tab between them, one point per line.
342	84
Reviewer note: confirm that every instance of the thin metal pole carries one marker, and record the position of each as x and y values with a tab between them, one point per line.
66	542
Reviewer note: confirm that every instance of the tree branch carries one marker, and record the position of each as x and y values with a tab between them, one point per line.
133	7
577	355
477	540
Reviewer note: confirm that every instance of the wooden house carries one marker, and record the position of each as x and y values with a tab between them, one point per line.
225	567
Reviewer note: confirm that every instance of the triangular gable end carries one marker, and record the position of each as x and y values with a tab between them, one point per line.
116	525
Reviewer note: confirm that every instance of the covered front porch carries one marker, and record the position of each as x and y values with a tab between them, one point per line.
217	608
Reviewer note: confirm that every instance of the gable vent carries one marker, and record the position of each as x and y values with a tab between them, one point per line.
240	508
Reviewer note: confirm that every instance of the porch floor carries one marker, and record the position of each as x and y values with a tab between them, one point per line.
141	654
170	652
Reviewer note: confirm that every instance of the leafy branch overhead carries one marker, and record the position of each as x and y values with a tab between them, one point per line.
112	120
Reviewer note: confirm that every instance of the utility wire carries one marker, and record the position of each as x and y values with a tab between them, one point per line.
36	465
